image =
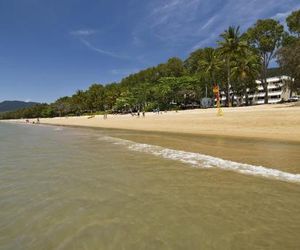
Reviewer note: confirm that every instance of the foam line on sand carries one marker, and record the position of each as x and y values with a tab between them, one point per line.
205	161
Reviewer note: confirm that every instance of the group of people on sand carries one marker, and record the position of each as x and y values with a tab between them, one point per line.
34	122
157	111
138	113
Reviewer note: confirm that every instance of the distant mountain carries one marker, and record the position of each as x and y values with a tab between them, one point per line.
15	105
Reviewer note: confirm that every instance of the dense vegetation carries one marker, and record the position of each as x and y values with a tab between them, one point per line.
234	64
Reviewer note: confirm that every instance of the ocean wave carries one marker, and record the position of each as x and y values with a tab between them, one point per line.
58	129
205	161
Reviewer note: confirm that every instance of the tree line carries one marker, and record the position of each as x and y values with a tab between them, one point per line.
235	64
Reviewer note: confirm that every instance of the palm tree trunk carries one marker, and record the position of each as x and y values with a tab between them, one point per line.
264	82
246	98
266	99
228	83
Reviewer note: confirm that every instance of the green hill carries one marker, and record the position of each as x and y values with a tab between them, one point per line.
6	106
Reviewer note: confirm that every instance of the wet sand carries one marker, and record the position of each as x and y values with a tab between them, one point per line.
274	154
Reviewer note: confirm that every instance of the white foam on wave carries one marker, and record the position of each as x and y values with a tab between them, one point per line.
58	129
205	161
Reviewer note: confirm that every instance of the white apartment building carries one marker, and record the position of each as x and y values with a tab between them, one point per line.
277	92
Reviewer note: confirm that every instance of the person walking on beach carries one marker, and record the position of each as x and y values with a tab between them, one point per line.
143	113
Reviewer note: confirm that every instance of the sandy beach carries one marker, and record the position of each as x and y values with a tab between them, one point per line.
281	122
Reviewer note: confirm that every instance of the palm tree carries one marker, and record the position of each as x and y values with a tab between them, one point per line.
245	70
231	46
210	64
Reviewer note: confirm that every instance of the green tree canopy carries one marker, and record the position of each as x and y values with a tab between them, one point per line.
293	22
266	37
288	58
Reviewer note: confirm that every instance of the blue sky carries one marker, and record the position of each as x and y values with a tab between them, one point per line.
51	48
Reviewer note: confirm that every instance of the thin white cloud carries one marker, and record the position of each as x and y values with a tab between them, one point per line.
244	14
83	32
166	6
170	20
281	16
205	42
162	13
208	23
195	23
176	22
136	40
123	71
101	51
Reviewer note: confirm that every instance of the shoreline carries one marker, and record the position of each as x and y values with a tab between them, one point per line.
280	122
171	133
278	151
187	134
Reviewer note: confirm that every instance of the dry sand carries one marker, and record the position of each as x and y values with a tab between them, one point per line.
281	122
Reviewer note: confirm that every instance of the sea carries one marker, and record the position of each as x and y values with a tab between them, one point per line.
76	188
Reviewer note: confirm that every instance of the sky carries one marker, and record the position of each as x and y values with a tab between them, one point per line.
51	48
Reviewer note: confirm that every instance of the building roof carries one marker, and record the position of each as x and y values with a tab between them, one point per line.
275	79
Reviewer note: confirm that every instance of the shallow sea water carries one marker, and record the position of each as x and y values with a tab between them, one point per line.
65	188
